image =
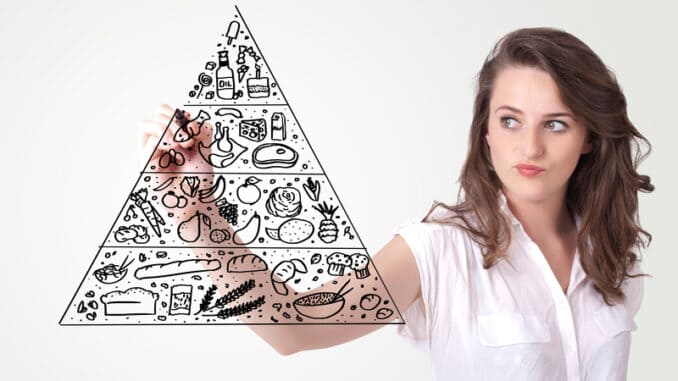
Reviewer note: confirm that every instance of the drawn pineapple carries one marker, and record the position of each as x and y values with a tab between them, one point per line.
328	231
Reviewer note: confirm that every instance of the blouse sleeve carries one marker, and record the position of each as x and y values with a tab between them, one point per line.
417	316
634	289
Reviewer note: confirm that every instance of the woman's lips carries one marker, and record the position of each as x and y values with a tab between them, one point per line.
529	170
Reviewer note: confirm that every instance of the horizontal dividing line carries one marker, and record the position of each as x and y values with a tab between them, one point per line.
235	104
234	247
175	324
240	173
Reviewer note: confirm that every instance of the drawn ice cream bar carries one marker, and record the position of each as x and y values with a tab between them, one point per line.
278	129
233	29
133	301
180	299
258	87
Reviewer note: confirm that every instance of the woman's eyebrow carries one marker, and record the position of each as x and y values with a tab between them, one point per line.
518	111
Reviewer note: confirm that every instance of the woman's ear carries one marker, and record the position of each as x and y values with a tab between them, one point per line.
588	145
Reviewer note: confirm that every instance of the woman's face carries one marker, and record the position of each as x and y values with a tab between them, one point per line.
529	125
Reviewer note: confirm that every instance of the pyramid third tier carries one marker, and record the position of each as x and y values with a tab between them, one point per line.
238	139
223	210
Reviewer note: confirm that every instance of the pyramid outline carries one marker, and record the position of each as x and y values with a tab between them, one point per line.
397	321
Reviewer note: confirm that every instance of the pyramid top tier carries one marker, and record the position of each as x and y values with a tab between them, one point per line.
235	73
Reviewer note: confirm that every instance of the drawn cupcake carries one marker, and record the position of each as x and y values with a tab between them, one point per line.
359	264
338	262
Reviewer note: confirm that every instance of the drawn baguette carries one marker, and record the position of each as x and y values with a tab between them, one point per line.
187	266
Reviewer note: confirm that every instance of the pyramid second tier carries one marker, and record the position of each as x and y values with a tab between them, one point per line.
239	139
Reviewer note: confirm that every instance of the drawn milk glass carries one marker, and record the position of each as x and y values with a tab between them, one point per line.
534	272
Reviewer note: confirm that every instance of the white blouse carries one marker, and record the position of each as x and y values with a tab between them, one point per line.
512	324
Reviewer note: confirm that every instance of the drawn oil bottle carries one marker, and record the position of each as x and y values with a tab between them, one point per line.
225	84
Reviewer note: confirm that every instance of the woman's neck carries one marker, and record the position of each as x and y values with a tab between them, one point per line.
541	219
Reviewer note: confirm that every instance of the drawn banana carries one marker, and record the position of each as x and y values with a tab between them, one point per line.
214	192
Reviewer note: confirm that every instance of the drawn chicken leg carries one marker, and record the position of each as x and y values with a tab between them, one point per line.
223	151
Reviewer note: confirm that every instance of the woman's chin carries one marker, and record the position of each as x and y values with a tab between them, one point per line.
533	192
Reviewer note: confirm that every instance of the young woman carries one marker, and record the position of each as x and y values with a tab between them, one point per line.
534	273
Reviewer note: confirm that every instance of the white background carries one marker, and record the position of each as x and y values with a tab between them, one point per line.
383	91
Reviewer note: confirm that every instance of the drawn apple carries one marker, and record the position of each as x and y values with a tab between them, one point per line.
249	192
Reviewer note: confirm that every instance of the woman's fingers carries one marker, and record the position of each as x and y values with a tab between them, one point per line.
159	124
148	129
165	122
149	150
175	125
164	109
205	135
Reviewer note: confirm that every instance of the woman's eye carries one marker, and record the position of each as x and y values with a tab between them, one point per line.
556	125
508	122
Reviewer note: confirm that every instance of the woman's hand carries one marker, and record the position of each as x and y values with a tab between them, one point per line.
396	264
151	133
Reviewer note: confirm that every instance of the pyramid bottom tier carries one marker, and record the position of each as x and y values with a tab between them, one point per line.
231	286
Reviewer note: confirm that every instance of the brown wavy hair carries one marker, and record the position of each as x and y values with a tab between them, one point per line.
603	188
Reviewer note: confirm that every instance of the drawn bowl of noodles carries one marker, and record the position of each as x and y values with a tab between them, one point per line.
321	305
112	273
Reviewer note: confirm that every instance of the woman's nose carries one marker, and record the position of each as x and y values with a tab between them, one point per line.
532	142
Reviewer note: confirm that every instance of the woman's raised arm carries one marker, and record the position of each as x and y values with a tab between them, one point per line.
395	263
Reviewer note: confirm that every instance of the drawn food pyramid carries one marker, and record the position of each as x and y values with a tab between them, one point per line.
242	228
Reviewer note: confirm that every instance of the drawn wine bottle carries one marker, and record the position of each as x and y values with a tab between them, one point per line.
225	84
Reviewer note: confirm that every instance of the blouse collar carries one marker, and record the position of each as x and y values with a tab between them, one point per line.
503	206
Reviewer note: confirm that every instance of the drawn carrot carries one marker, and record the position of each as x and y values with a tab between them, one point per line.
151	214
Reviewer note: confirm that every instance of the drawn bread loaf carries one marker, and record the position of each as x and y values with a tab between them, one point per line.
133	301
187	266
245	263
